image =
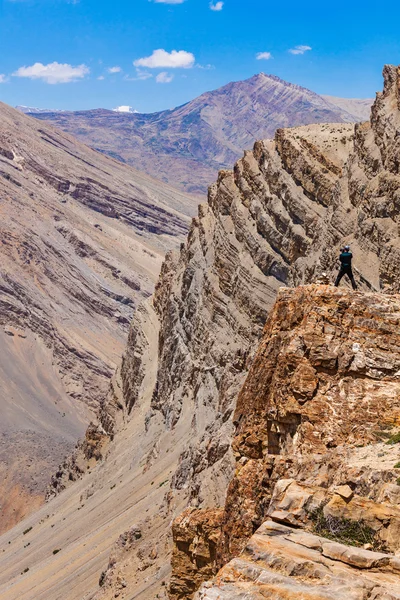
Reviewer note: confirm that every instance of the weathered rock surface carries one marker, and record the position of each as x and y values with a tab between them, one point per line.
279	219
324	380
188	145
81	243
195	534
284	563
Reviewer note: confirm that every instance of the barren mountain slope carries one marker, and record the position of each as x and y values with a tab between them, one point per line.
359	107
187	146
82	239
278	219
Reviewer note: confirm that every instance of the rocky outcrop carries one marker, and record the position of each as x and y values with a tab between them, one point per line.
286	564
309	423
195	535
323	382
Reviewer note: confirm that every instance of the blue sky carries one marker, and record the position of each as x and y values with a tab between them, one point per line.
58	53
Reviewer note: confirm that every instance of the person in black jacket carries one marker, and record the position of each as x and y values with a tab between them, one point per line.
345	267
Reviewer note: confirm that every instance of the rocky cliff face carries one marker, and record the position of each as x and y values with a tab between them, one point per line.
277	220
324	384
187	146
320	398
290	204
82	239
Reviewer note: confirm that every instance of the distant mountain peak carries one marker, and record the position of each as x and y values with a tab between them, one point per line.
125	109
34	110
188	145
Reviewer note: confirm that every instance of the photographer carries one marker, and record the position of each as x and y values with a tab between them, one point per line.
345	267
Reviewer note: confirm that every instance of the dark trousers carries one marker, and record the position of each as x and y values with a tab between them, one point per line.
346	270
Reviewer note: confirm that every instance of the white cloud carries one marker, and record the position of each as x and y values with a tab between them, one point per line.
300	49
170	60
264	56
217	6
125	109
101	78
3	78
114	70
164	77
53	72
143	75
140	76
205	67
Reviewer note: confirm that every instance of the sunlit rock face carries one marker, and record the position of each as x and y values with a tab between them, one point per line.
324	382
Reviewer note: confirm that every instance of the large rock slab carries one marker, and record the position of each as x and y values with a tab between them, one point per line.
286	564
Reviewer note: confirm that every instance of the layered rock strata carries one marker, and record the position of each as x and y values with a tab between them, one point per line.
284	563
81	242
279	219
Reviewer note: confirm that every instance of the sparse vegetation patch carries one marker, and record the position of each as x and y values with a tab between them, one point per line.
345	531
394	439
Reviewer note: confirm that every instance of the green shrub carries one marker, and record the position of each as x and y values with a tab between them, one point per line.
397	466
56	551
27	530
394	439
345	531
381	435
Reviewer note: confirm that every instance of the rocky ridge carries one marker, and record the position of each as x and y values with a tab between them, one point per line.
278	219
187	146
82	239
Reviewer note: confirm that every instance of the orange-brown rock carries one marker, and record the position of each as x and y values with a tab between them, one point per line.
325	379
195	534
284	563
295	503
